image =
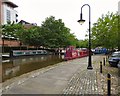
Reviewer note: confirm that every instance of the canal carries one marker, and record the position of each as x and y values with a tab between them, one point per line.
18	66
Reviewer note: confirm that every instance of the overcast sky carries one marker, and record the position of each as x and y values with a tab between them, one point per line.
35	11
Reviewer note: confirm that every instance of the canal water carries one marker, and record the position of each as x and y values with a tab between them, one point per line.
18	66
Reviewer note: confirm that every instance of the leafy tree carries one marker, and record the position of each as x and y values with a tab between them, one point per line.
56	34
29	36
83	43
119	32
105	31
13	31
52	33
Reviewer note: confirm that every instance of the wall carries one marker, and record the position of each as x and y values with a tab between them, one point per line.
10	43
0	11
12	13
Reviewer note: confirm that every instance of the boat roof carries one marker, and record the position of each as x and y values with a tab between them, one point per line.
117	52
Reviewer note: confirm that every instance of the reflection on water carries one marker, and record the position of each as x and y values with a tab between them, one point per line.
18	66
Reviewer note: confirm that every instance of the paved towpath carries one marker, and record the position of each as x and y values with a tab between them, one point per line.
69	77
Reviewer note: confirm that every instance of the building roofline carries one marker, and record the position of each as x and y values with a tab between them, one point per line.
22	21
10	3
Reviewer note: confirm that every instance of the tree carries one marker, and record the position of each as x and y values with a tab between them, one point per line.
83	43
105	31
119	32
29	36
55	33
52	33
12	30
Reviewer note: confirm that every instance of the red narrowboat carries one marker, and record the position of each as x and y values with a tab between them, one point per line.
72	53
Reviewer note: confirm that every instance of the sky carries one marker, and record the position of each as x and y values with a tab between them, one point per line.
35	11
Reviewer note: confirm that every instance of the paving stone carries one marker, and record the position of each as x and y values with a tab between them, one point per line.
69	77
84	82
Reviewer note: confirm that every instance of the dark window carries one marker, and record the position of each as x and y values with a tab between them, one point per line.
8	16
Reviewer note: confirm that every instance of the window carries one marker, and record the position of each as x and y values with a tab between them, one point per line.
8	16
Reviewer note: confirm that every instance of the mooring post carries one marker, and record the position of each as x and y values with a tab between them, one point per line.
106	58
104	61
100	66
109	84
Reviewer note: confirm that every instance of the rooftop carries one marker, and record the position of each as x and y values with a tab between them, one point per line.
10	3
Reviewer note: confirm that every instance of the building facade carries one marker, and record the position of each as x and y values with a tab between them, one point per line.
8	12
0	11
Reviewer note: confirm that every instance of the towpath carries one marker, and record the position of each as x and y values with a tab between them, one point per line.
68	77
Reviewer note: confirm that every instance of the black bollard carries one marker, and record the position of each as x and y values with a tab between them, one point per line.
100	67
104	61
11	53
109	84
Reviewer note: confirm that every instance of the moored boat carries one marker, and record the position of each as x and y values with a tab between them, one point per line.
73	53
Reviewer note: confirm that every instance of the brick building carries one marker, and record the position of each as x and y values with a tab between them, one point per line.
8	12
0	11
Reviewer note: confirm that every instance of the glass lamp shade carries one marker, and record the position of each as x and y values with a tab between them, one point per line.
81	21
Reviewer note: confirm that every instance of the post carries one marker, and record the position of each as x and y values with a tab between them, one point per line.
2	45
20	45
104	61
109	84
108	56
11	53
100	67
89	43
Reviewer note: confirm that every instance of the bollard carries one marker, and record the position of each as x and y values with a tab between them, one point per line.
109	84
100	67
106	58
104	61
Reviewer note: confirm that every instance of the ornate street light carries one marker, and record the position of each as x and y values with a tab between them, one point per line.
81	21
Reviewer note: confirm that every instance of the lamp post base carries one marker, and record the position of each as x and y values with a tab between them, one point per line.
90	67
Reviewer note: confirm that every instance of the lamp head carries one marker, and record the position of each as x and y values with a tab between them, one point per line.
81	21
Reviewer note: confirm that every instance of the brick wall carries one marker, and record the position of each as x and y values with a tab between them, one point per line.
10	43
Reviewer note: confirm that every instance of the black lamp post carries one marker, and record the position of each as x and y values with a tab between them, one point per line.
81	21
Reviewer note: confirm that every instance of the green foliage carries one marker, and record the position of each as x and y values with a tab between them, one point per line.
56	34
105	31
83	43
52	33
13	31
